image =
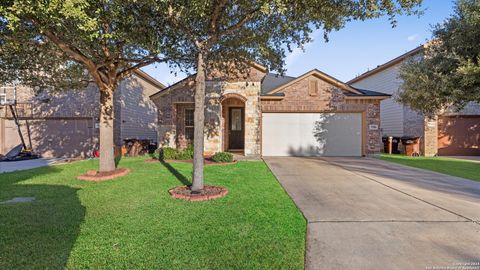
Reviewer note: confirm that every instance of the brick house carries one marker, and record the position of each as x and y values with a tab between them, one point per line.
446	134
65	124
263	114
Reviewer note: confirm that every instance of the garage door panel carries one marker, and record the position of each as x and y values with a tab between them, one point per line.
459	136
311	134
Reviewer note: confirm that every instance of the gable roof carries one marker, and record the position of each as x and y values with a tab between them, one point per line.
272	81
161	91
192	76
272	84
388	64
319	74
148	78
367	93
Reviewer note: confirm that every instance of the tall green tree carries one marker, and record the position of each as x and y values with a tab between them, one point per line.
65	44
447	74
227	35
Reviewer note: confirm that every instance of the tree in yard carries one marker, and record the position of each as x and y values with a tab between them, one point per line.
67	44
227	35
448	72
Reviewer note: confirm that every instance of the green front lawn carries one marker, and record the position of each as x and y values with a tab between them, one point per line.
455	167
132	223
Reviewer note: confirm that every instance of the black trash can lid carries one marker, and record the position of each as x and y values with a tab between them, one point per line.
410	137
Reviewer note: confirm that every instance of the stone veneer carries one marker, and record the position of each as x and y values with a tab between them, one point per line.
298	98
214	123
169	103
429	145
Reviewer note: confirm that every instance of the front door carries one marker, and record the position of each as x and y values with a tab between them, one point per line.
235	128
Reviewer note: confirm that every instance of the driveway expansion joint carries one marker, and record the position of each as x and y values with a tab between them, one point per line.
401	191
365	217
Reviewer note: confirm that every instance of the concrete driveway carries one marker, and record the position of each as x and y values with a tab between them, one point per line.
10	166
370	214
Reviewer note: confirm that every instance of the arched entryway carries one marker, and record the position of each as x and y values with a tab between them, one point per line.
233	114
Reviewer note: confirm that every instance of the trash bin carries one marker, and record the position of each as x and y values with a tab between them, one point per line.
412	146
390	144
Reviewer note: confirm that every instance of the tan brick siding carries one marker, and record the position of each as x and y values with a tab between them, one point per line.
214	122
430	143
61	113
138	114
297	98
329	99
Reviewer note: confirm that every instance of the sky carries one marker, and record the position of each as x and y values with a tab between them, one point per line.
353	50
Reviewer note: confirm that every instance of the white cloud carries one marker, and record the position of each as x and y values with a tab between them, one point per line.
297	52
412	37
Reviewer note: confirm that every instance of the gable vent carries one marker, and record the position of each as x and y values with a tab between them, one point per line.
313	88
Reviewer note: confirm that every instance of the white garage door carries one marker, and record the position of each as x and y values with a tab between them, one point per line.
312	134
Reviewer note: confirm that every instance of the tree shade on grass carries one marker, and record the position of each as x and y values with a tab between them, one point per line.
455	167
133	223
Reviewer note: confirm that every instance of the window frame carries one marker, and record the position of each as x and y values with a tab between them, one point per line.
185	126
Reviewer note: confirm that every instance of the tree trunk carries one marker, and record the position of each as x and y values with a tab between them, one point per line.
107	158
199	125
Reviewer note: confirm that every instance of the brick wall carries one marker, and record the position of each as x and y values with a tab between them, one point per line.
137	113
168	115
329	99
250	91
182	141
57	115
297	98
430	142
166	103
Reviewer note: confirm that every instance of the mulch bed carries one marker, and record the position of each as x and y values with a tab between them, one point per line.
206	161
208	193
152	160
95	176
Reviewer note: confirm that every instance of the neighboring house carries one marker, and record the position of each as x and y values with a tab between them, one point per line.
450	133
66	124
263	114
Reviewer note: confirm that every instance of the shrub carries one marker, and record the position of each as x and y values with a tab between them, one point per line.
156	154
168	153
222	157
186	154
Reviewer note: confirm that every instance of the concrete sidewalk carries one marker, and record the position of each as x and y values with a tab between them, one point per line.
368	214
10	166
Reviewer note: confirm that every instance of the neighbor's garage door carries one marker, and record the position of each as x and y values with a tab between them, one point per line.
312	134
53	137
459	135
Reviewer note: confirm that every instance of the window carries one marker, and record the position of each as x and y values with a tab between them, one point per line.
189	123
236	120
3	98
